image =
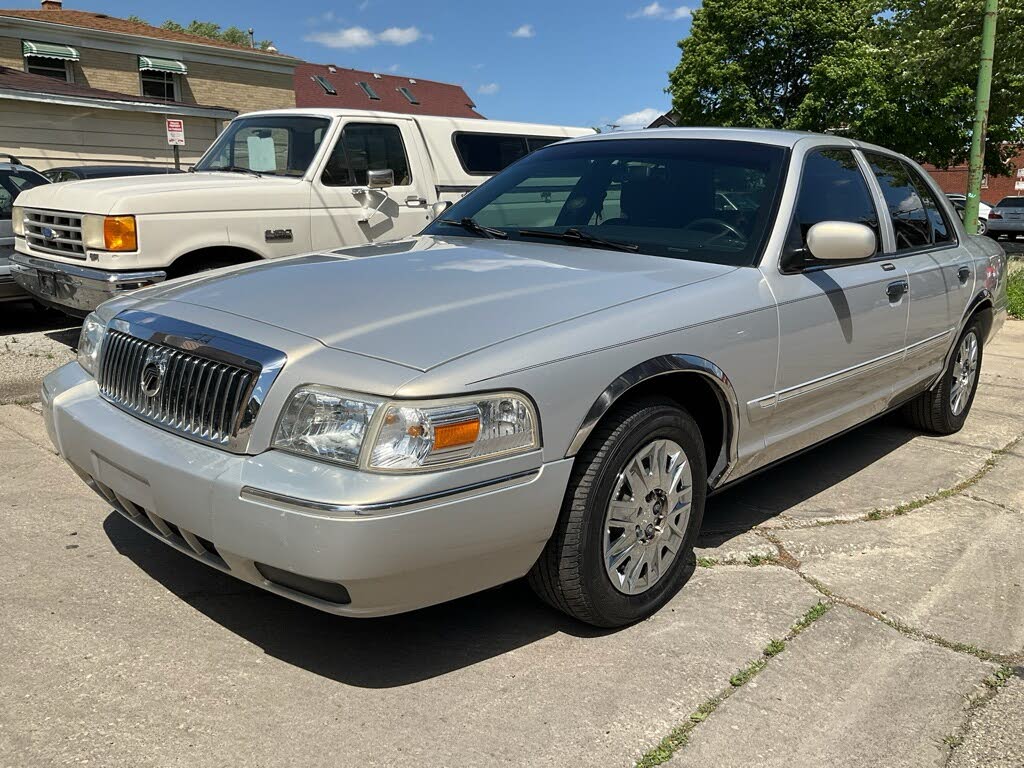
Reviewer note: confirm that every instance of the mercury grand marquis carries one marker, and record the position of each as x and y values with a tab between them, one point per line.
548	381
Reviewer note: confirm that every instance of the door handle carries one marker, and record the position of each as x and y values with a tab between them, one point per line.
896	290
415	202
964	273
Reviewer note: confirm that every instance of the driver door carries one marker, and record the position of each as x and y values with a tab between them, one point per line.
344	211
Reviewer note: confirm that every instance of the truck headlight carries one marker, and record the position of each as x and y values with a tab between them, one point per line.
18	220
90	343
406	436
110	233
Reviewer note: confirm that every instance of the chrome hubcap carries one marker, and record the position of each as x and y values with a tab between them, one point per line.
965	372
647	516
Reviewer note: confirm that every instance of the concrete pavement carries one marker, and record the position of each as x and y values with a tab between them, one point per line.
862	605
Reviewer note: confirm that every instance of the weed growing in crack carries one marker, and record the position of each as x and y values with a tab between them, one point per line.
816	612
706	562
774	648
748	673
755	560
952	740
999	678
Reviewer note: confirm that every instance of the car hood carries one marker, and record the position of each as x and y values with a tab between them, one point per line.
423	302
164	193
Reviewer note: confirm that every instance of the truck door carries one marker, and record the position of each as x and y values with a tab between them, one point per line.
345	211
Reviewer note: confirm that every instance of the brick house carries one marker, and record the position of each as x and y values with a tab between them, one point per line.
327	85
81	87
993	188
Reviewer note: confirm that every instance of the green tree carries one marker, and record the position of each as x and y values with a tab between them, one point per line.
749	62
900	73
211	30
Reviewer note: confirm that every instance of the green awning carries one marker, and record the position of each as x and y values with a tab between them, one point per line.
49	50
153	64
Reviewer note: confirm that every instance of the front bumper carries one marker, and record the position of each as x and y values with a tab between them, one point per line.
241	514
75	289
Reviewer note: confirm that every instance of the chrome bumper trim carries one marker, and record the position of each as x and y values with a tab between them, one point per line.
76	287
261	496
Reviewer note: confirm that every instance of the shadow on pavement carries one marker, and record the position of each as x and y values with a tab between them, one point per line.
399	650
25	317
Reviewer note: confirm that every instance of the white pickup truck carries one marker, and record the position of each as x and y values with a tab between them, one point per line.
273	184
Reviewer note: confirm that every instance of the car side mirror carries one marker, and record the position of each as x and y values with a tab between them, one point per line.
436	209
380	179
841	241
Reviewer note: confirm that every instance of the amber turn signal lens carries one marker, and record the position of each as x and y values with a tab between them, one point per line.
119	233
455	435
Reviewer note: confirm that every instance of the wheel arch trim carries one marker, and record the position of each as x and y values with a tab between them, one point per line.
661	366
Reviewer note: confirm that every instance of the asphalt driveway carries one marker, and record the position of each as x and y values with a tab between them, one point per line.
861	605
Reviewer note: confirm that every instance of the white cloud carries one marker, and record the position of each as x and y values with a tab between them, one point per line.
658	11
488	89
400	35
393	68
361	37
640	119
525	30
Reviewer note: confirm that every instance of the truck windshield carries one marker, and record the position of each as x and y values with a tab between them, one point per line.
271	145
695	199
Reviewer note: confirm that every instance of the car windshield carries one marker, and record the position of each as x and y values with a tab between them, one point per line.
695	199
13	183
1011	202
269	145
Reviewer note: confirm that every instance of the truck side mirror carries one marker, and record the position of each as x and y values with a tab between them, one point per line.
436	209
380	179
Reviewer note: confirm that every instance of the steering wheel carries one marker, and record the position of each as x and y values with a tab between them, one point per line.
727	229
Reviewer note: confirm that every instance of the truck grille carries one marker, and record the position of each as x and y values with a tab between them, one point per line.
55	232
199	398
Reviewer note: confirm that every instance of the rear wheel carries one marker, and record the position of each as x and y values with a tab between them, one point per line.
944	409
630	517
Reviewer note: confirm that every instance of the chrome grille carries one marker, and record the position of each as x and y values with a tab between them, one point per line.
55	232
197	397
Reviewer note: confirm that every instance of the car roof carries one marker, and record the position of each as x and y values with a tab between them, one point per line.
759	135
16	167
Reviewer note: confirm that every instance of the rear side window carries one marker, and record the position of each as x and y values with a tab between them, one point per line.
484	154
917	220
832	188
1011	202
367	147
13	183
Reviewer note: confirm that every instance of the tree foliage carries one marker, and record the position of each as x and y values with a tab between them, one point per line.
211	30
900	73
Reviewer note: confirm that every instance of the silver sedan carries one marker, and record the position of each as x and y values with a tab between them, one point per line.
548	382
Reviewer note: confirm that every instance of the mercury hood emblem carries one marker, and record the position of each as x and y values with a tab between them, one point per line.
153	371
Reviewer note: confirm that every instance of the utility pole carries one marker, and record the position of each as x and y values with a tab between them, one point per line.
977	167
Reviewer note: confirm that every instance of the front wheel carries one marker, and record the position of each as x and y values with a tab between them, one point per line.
944	409
630	517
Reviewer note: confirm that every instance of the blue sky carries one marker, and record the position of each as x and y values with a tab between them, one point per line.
554	61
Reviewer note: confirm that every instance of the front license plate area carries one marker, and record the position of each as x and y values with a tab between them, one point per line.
47	283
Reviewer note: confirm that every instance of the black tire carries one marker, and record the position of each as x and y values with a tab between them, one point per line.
570	573
932	411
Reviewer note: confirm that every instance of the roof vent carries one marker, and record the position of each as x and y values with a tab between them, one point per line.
331	68
412	81
376	76
52	5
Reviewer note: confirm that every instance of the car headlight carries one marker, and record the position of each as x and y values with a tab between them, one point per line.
90	343
18	220
406	436
110	233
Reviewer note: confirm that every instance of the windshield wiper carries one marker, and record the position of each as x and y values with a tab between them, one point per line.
579	237
472	225
236	169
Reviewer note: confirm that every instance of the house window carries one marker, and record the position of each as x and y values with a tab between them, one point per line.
55	68
408	95
372	94
160	85
324	83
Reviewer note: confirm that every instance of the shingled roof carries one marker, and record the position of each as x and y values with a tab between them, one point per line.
445	99
105	23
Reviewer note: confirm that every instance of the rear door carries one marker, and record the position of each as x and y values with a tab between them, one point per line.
940	272
842	327
344	211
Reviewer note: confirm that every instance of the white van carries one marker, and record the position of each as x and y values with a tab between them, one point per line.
273	184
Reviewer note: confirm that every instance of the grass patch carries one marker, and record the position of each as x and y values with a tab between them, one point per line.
816	612
707	562
1015	293
755	560
999	678
952	740
774	648
748	673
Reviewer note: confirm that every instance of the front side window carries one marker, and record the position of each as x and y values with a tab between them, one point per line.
832	188
917	220
280	146
55	68
654	196
366	147
160	85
